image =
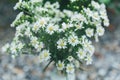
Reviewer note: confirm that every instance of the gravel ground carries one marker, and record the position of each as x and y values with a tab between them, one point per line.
106	65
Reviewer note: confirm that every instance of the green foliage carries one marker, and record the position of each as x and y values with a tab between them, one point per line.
105	1
75	6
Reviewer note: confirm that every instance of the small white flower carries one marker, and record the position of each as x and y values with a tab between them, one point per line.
48	5
86	43
96	16
72	0
56	5
17	18
28	33
46	54
5	47
106	22
68	12
70	58
103	14
88	12
42	22
18	5
73	40
39	46
88	60
88	46
89	32
13	48
51	28
34	41
100	30
78	17
79	26
90	49
77	64
60	65
20	46
65	26
35	1
81	53
61	43
95	5
70	68
96	38
36	27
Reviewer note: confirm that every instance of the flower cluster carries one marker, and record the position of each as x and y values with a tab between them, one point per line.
63	36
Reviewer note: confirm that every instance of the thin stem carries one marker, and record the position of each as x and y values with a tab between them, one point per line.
47	66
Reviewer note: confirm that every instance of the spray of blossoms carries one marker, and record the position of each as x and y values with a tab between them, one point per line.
62	36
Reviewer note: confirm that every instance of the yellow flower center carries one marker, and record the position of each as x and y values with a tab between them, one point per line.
51	28
60	65
42	22
69	68
62	43
73	40
46	55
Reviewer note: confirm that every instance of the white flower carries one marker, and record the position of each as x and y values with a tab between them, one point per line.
81	53
72	0
106	22
88	46
18	5
100	30
46	54
103	14
96	16
65	26
35	27
73	39
42	22
70	68
86	43
28	33
78	17
56	5
77	64
13	48
35	1
89	32
34	41
17	18
5	47
88	60
39	46
61	43
68	12
88	12
102	10
90	49
51	28
70	58
60	65
18	34
95	5
79	26
49	6
96	37
20	46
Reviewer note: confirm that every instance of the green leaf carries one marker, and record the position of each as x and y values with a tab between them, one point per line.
105	1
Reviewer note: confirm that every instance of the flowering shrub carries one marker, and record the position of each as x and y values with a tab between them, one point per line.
57	34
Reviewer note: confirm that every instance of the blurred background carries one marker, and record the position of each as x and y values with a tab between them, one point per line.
106	64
